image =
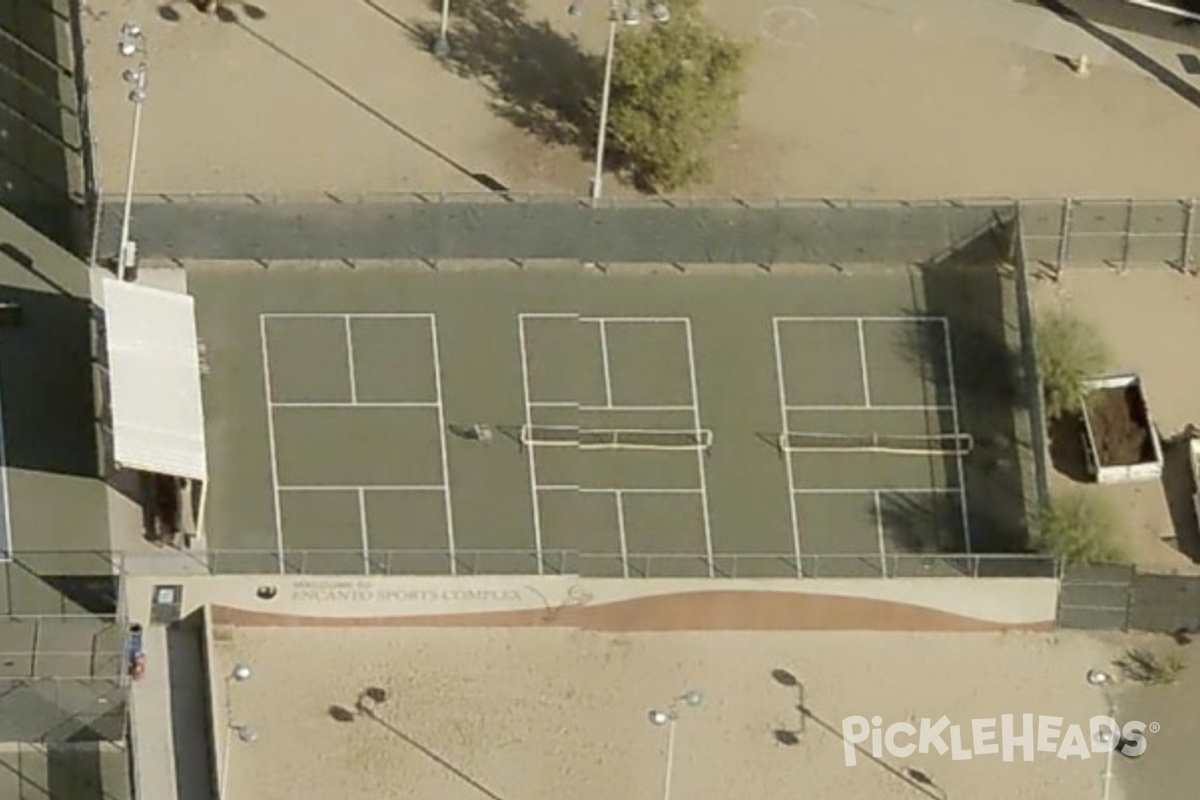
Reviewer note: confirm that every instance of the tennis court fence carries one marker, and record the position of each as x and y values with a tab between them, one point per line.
526	226
595	565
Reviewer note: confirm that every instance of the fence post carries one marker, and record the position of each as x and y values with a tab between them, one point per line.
1064	232
1188	227
1129	595
1128	234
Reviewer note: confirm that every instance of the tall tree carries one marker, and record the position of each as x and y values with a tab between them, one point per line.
675	87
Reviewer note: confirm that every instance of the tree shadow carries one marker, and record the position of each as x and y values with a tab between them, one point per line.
1179	491
538	79
922	523
980	374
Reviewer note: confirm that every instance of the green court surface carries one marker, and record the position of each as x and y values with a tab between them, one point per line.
494	418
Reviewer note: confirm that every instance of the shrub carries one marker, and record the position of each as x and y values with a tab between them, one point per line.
674	88
1078	528
1069	351
1144	666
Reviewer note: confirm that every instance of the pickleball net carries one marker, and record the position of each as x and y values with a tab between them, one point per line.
954	444
615	439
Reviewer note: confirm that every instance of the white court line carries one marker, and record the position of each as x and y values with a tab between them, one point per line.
621	533
341	314
914	318
879	533
700	454
362	524
529	456
620	408
608	394
891	490
787	457
862	360
791	407
962	478
350	362
657	320
569	487
373	404
367	487
262	333
553	403
441	421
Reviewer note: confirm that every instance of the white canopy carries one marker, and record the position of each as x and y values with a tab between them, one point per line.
154	380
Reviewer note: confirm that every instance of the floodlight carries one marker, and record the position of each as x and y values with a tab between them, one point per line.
131	40
246	733
660	718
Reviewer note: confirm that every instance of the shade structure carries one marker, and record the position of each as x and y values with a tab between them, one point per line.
154	380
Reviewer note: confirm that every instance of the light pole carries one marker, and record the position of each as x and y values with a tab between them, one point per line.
132	43
668	717
240	674
441	45
1101	680
631	16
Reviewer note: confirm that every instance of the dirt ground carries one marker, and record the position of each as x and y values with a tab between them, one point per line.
1148	316
843	99
547	714
1121	434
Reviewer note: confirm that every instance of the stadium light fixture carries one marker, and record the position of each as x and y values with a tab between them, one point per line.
131	42
667	718
245	733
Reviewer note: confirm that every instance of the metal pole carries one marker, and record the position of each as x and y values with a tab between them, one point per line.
598	178
441	45
225	761
200	515
1108	764
139	87
1188	228
670	758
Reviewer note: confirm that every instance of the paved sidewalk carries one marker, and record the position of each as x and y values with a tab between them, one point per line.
871	98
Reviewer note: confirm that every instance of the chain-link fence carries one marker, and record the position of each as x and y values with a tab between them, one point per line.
823	565
62	678
1106	232
575	563
519	227
64	642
